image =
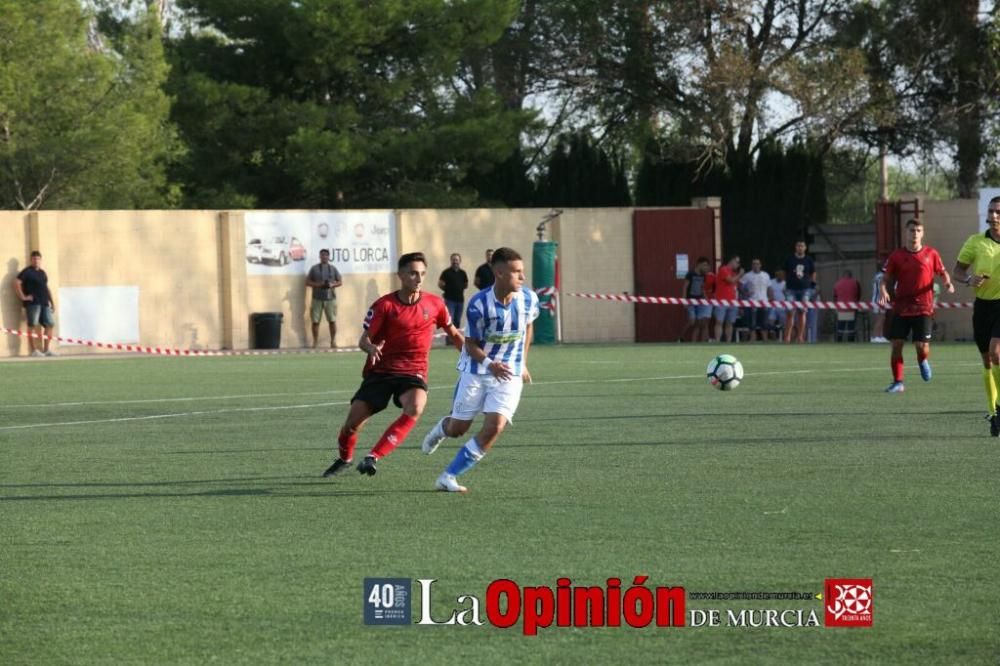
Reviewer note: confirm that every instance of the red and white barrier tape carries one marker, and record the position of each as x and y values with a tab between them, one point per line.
550	304
167	351
786	305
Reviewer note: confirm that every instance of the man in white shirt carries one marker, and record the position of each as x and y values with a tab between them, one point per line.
756	283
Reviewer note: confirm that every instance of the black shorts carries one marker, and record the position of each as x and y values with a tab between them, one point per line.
921	326
985	323
376	389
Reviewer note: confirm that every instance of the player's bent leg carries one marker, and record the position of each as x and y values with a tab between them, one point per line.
347	439
447	427
493	425
413	401
923	350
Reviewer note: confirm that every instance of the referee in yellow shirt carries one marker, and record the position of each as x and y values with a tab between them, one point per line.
979	266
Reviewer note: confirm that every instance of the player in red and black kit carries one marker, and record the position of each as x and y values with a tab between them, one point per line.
399	330
912	269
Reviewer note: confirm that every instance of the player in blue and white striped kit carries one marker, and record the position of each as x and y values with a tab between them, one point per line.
493	366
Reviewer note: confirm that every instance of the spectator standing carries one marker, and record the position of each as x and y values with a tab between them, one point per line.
756	283
323	278
484	274
453	282
32	287
776	292
725	289
800	276
698	315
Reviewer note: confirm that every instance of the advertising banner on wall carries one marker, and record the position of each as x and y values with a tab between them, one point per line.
288	242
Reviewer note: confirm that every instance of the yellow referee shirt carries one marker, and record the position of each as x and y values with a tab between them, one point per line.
982	254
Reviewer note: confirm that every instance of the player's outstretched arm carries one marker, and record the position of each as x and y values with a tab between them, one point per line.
456	336
370	348
948	284
883	290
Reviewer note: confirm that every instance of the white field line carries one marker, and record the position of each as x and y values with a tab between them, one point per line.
182	399
229	410
172	415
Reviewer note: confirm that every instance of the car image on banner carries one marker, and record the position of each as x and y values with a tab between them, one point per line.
275	250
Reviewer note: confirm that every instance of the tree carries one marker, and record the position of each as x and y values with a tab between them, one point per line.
83	124
933	77
579	173
334	103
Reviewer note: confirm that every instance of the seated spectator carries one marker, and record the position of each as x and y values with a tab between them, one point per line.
846	290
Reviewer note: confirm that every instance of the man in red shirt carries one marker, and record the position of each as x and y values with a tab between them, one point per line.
725	289
399	330
912	269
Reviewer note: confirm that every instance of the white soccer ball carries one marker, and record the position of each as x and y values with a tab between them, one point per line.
724	372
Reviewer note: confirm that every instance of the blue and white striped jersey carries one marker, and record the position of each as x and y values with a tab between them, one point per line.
500	329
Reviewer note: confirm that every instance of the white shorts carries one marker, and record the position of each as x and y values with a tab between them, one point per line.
485	394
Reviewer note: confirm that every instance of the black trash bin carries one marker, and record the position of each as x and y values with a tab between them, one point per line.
266	329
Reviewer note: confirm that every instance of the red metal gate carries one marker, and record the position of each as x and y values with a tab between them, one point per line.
660	239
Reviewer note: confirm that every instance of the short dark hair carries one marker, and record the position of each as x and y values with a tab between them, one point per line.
409	258
994	200
36	253
913	222
701	260
324	251
504	254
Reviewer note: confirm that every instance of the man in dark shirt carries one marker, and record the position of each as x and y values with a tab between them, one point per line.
800	281
484	274
453	283
32	287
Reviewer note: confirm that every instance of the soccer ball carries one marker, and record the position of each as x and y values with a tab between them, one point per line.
724	372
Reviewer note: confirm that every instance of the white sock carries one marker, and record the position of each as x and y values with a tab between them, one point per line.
473	446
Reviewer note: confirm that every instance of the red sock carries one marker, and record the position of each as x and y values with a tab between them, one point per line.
345	443
393	436
897	368
923	354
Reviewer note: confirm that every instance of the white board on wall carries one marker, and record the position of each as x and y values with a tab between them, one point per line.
985	194
101	314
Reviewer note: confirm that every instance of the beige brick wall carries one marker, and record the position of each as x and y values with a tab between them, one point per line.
595	254
172	256
947	225
15	247
194	291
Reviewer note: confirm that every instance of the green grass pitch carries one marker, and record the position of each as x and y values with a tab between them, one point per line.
164	510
